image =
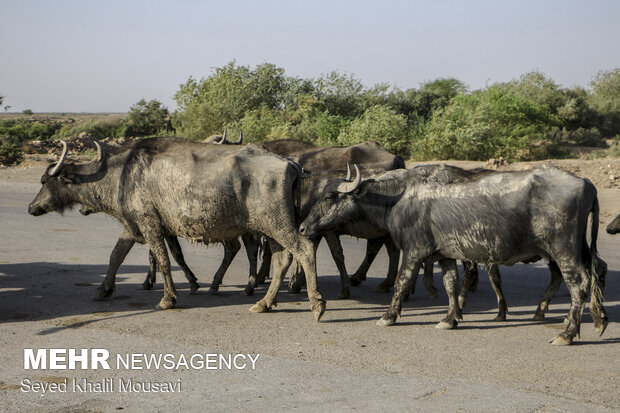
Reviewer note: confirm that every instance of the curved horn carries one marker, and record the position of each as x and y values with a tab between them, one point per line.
223	140
348	178
348	187
99	152
240	141
65	149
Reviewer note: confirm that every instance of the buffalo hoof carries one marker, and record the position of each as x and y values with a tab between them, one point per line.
344	294
600	326
102	294
500	317
165	304
356	280
446	324
248	291
434	296
539	316
214	289
193	288
383	287
387	320
260	307
148	284
294	289
561	340
318	309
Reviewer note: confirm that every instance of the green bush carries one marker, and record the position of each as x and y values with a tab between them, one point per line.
148	118
11	150
95	129
487	124
26	130
381	124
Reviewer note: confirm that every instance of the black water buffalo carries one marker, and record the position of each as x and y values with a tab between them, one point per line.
499	218
161	187
614	226
368	156
231	247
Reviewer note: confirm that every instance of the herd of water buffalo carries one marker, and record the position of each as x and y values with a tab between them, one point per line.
284	196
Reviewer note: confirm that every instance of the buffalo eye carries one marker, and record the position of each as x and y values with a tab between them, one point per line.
331	196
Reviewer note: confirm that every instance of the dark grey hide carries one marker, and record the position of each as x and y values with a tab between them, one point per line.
163	187
369	156
446	174
500	218
614	226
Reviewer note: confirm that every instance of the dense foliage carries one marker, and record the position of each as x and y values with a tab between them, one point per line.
527	118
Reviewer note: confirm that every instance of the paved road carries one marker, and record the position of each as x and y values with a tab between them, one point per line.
51	265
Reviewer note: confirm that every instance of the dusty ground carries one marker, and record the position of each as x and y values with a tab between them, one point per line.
51	265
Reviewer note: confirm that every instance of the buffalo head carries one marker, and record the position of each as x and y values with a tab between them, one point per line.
338	205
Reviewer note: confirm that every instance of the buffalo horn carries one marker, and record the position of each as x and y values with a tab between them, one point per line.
99	152
65	149
223	140
240	141
348	178
348	187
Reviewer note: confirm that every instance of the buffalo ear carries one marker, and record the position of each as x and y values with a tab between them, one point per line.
69	179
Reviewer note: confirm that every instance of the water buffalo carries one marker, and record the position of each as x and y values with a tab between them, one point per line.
614	226
159	187
231	247
367	155
500	218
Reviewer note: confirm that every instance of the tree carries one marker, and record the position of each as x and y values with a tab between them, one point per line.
148	118
381	124
606	100
486	124
226	96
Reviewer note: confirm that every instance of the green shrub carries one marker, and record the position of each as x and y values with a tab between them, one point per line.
95	129
11	150
381	124
487	124
148	118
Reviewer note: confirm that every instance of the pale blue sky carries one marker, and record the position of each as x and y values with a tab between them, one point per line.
101	56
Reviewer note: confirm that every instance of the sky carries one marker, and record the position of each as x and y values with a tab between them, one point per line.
104	56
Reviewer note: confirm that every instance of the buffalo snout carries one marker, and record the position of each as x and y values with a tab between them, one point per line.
36	210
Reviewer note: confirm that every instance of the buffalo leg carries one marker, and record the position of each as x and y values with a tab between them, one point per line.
280	262
408	268
287	236
230	250
393	259
122	247
177	254
599	316
496	283
577	280
428	278
263	272
158	246
151	276
470	281
335	247
251	248
547	295
372	249
450	282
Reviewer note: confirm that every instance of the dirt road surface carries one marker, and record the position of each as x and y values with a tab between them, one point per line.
51	265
